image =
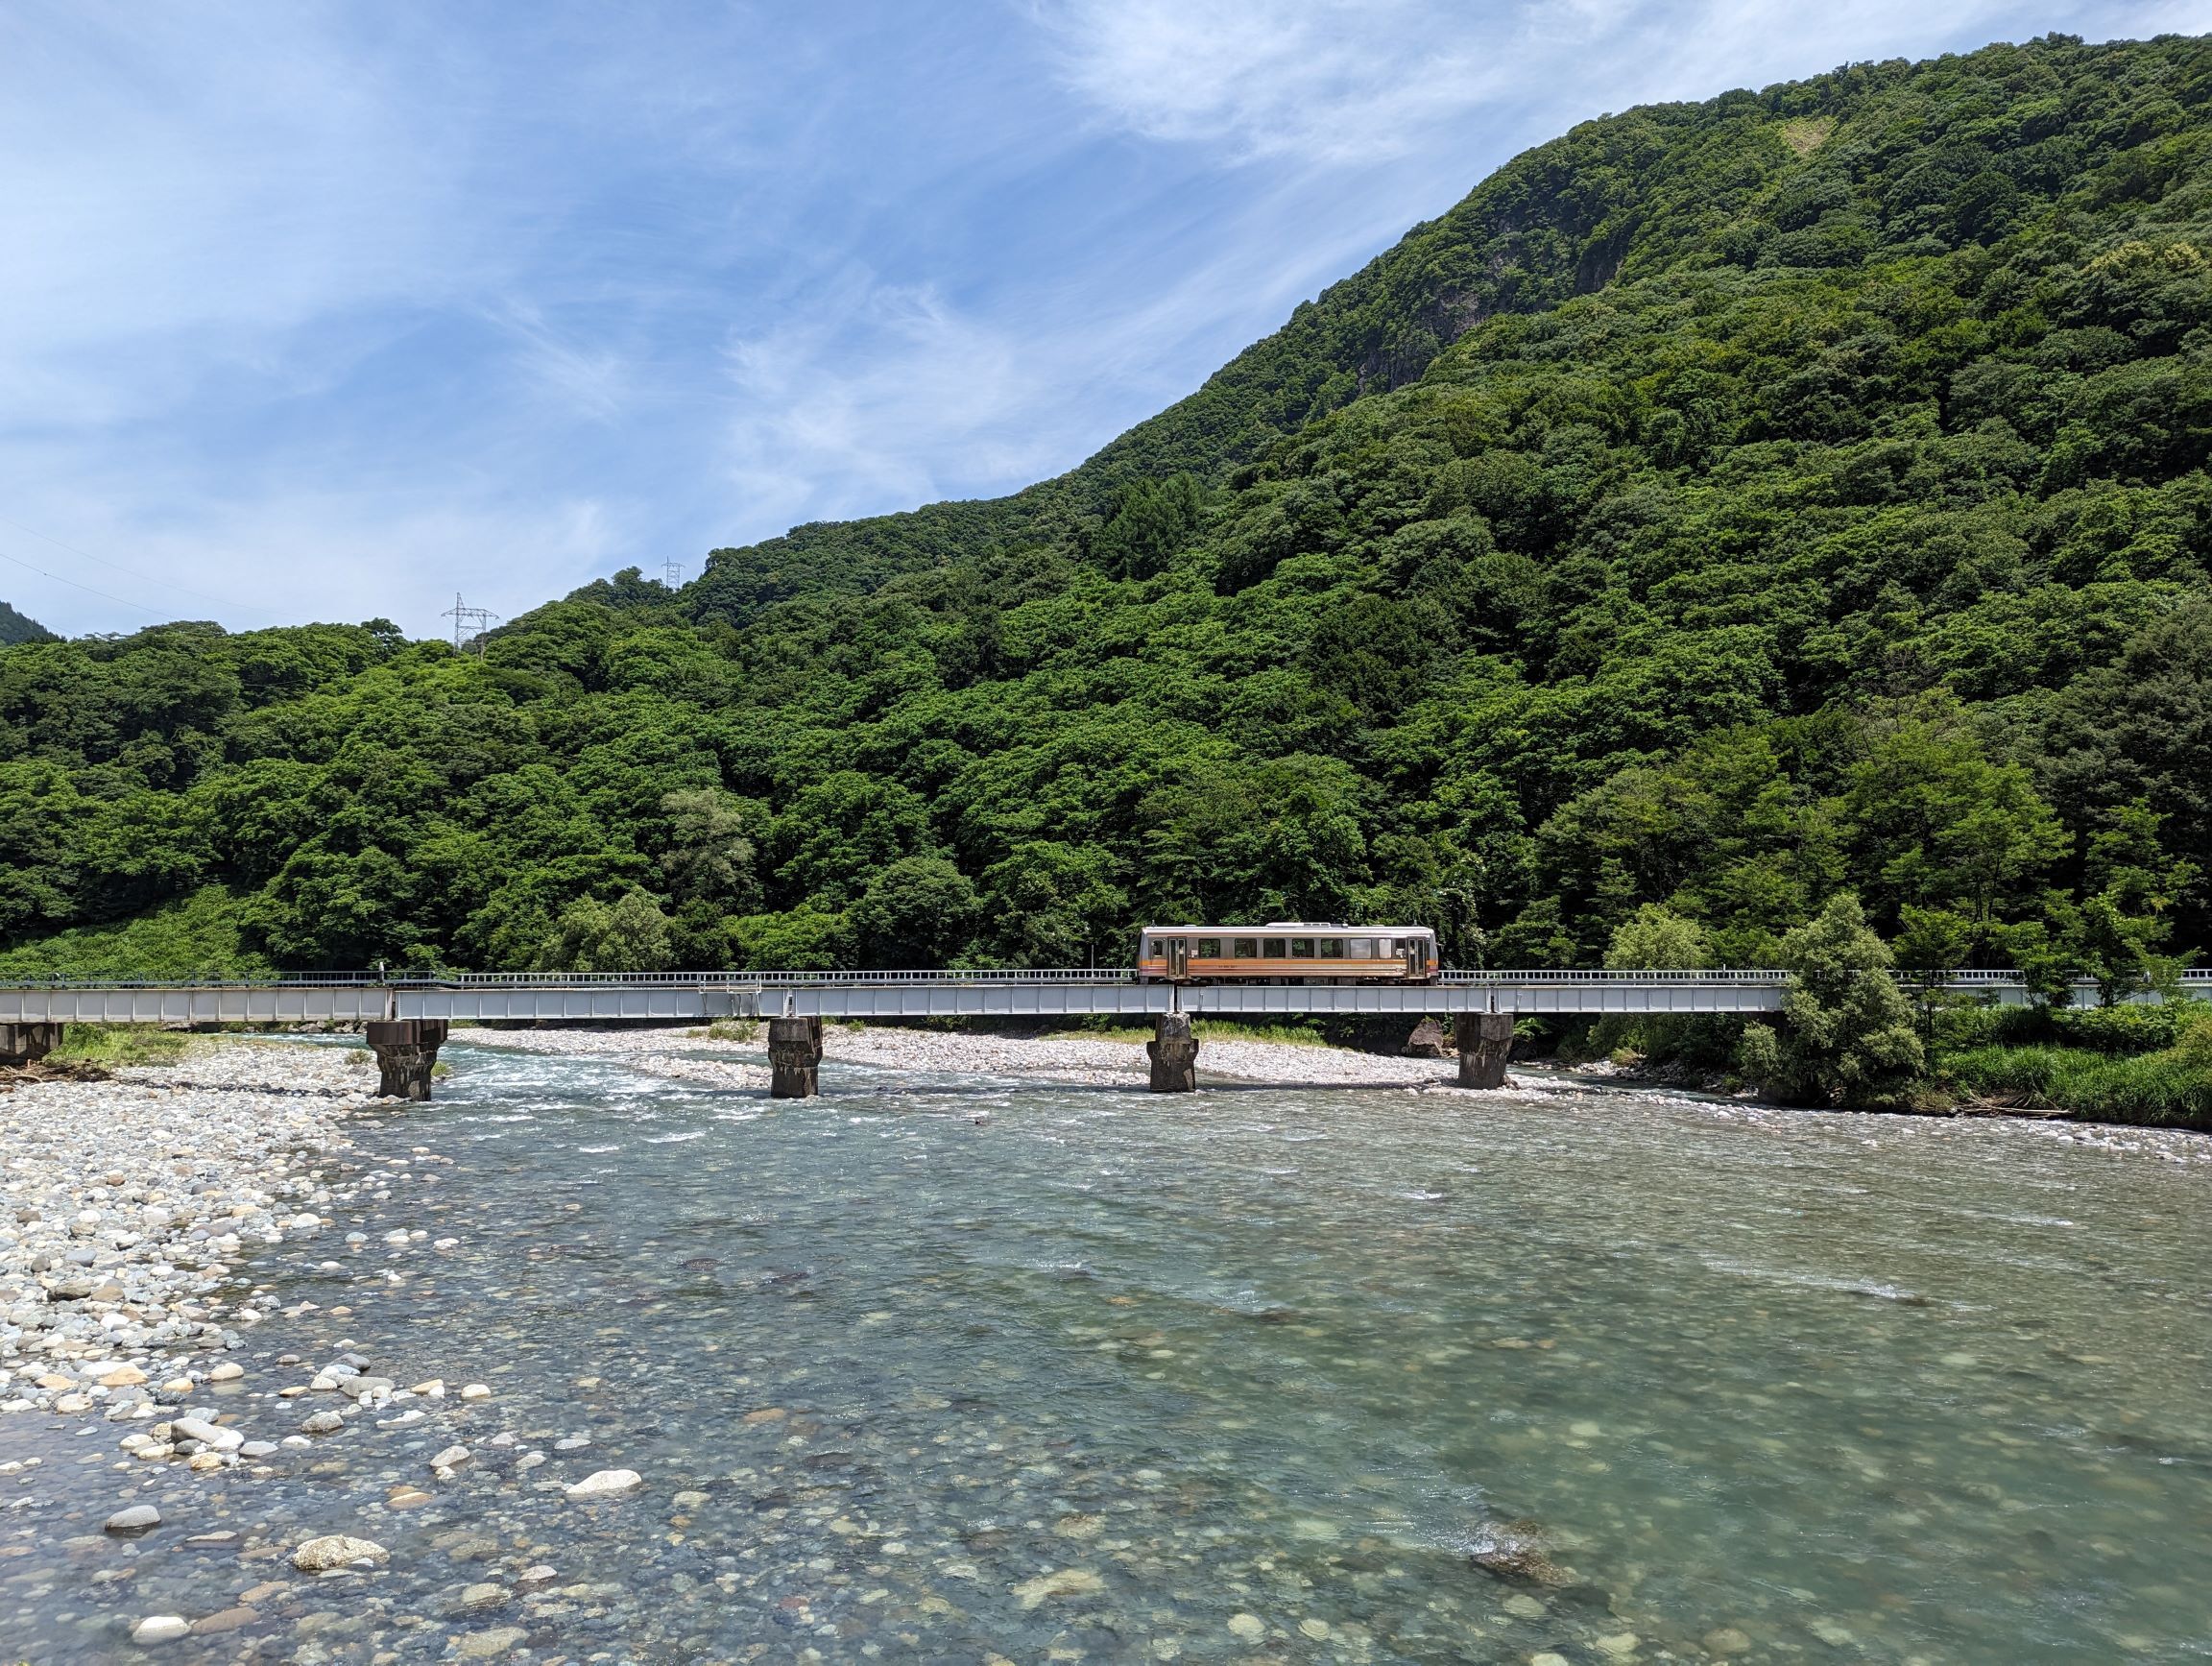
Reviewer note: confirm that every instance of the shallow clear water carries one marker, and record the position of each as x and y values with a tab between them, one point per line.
1261	1372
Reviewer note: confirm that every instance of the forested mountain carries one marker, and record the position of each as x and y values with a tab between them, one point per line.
16	627
1724	506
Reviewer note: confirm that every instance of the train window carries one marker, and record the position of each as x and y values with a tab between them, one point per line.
1273	948
1207	948
1247	948
1329	949
1301	948
1383	948
1359	948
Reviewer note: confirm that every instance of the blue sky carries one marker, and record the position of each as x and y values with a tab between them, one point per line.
327	310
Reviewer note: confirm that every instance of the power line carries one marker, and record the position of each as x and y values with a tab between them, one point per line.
127	572
140	607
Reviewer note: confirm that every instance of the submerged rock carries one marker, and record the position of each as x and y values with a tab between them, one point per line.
1066	1582
337	1551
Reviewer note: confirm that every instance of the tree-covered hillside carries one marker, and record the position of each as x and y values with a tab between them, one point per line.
1724	507
16	627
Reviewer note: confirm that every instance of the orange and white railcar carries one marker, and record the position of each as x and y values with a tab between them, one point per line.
1287	952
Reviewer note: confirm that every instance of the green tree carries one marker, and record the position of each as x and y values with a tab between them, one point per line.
1657	938
1846	1037
1053	903
707	856
917	912
1151	522
633	935
806	938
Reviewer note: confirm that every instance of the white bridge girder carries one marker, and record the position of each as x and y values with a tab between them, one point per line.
677	998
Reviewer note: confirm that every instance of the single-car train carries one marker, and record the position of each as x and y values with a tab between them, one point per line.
1287	952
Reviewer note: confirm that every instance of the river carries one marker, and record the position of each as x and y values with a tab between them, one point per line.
937	1369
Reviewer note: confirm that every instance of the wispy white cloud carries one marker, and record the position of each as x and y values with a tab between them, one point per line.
879	395
188	185
589	379
1341	82
326	309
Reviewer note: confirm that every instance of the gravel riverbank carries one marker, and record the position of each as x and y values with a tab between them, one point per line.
127	1205
1093	1061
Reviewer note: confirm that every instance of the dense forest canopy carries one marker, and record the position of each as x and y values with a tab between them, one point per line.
1726	507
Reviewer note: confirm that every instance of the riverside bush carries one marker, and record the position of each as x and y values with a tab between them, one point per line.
2171	1088
2128	1028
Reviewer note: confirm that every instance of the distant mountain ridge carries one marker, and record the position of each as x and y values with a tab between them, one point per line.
1621	197
16	627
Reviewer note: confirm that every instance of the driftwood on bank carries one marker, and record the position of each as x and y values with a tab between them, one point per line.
49	1070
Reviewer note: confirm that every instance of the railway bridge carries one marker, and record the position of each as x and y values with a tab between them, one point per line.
406	1015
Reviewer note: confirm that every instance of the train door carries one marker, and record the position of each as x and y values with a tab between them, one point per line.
1416	956
1178	956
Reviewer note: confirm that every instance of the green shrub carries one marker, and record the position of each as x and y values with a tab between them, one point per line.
121	1044
2172	1088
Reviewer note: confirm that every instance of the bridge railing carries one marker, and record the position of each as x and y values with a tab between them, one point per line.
2194	980
1077	975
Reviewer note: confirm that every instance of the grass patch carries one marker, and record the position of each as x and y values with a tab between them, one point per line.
2168	1089
122	1043
739	1029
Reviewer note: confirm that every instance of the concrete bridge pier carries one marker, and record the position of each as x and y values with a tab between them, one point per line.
28	1042
794	1057
406	1050
1174	1054
1485	1042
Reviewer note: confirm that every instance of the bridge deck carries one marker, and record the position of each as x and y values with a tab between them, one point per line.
704	996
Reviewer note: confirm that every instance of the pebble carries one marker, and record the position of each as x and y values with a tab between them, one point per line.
489	1645
605	1484
449	1457
1251	1628
476	1391
134	1518
337	1551
1066	1582
229	1371
160	1629
209	1433
323	1423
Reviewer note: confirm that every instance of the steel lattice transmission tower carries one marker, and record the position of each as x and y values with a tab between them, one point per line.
475	620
